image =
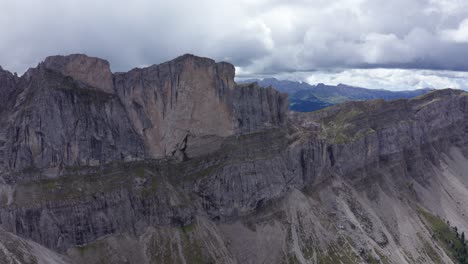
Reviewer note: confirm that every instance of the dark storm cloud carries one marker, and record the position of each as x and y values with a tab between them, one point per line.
257	36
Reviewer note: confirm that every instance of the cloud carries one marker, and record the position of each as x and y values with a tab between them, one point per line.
459	34
378	78
258	36
255	43
391	79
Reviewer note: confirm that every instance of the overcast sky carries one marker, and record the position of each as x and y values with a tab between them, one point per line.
394	44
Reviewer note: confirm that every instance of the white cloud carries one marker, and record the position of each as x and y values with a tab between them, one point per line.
260	36
458	35
392	79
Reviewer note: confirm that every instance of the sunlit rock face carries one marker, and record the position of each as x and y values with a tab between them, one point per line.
72	111
93	72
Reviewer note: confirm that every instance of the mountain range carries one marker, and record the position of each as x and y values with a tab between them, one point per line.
178	163
306	98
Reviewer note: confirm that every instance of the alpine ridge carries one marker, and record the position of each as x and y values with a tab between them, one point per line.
177	163
304	97
71	111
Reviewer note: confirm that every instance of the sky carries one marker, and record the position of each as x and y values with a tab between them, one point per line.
397	44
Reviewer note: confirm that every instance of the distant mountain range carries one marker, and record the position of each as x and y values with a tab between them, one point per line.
304	97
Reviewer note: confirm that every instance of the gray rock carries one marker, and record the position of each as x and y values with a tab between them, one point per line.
67	112
93	72
56	122
8	83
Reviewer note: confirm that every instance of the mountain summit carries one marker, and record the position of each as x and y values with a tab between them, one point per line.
72	111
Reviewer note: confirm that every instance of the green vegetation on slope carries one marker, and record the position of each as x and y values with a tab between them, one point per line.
146	177
453	242
341	128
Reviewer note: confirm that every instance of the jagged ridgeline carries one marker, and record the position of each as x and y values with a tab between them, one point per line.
176	163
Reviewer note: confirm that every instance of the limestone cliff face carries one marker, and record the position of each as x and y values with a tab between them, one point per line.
68	112
379	132
173	103
7	85
257	108
55	122
93	72
189	102
179	164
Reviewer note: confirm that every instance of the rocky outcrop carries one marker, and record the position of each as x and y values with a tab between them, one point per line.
173	103
379	131
14	249
93	72
191	102
256	108
67	112
7	86
56	122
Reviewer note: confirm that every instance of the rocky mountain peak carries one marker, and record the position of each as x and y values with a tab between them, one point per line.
182	108
193	58
92	71
189	63
433	94
176	104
